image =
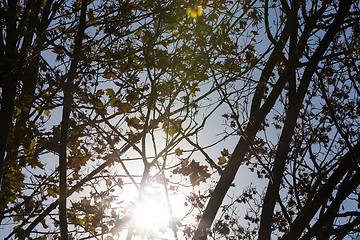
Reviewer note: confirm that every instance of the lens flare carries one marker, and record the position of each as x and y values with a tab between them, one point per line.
150	214
195	11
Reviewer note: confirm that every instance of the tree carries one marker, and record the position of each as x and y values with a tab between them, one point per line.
136	84
98	47
315	157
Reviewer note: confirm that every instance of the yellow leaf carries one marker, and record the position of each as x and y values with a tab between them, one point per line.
51	192
32	144
110	92
17	218
222	160
44	3
17	111
194	12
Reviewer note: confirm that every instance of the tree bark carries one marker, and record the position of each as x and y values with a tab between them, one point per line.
9	82
65	121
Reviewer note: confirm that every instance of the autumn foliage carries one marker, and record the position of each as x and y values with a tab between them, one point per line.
105	103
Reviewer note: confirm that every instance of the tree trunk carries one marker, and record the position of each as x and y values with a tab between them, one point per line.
65	121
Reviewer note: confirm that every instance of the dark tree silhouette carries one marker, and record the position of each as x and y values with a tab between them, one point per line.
310	49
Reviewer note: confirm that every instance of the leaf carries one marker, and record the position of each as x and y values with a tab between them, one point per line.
132	97
77	162
46	112
18	218
194	12
179	151
51	192
19	233
91	17
249	55
242	24
108	74
222	228
222	160
251	47
108	183
87	207
171	127
123	107
134	122
110	92
17	111
85	202
150	3
198	173
44	224
194	179
225	152
32	144
34	162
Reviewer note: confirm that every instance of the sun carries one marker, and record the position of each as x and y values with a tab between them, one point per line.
150	214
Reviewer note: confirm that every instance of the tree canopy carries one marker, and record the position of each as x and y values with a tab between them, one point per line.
245	113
